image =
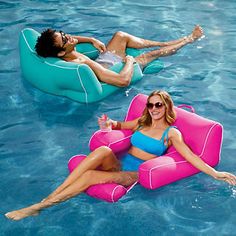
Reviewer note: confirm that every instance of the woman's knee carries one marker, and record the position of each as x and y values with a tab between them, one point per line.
104	150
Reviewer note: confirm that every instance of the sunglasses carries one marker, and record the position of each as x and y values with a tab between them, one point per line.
63	38
156	105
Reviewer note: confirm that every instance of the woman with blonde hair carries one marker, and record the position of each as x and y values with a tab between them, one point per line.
153	134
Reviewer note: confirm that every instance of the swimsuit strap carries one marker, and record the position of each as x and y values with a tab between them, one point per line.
165	134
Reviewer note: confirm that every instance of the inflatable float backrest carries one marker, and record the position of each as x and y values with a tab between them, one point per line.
54	75
202	135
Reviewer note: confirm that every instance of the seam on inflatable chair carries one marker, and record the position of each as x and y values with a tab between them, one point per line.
90	52
204	146
113	191
129	188
131	103
85	92
75	156
117	141
61	67
156	167
27	42
89	144
104	84
221	140
179	162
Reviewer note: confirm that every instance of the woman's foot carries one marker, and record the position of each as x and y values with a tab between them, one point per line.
197	33
22	213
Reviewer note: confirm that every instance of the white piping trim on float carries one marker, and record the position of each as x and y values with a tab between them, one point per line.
127	137
113	191
75	156
221	140
61	67
206	139
85	92
131	103
130	187
86	53
117	141
27	42
92	137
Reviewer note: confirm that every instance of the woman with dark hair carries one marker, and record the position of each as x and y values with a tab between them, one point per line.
153	135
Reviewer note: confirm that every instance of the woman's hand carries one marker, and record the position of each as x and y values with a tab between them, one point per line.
225	176
104	122
99	45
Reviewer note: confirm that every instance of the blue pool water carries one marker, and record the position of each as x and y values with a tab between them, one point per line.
40	132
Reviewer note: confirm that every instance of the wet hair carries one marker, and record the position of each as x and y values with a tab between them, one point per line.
170	115
45	45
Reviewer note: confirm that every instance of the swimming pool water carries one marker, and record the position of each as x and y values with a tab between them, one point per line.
40	132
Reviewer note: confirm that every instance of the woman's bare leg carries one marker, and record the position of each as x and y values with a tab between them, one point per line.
145	58
121	40
102	157
89	178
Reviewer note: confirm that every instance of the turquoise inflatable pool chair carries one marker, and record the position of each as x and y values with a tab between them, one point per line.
75	81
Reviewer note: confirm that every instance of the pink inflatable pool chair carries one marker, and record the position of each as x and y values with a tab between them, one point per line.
202	135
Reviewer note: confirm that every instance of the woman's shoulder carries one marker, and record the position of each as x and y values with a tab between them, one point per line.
174	132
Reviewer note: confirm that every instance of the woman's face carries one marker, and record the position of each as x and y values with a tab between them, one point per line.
156	107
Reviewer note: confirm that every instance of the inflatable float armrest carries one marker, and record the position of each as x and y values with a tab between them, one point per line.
109	192
88	49
117	140
89	80
164	170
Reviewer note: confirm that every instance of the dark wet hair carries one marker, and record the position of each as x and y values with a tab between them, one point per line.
45	45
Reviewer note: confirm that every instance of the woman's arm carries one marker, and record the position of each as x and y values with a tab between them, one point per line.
125	124
177	141
119	125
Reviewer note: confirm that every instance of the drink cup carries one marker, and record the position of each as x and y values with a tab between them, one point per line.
105	124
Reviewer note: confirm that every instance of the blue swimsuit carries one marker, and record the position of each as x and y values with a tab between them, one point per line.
147	144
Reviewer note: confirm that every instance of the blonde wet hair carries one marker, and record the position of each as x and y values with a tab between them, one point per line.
170	115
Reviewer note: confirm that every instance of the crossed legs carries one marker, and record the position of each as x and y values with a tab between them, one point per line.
121	41
84	176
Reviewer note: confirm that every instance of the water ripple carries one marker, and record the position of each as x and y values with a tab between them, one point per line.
4	127
8	71
7	24
7	5
39	132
